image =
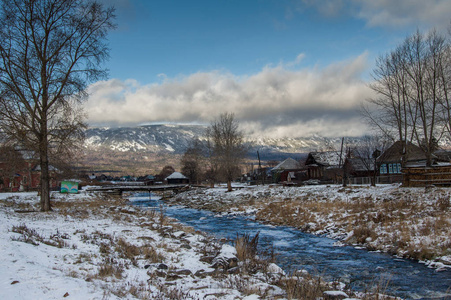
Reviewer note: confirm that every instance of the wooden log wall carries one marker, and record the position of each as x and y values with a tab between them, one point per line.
425	176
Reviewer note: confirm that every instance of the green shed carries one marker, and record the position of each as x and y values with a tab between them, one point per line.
70	187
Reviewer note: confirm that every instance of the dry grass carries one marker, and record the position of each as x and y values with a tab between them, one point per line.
108	269
244	285
401	221
31	236
302	287
246	247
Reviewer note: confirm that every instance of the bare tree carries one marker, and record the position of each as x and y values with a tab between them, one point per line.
411	84
226	144
49	51
368	150
444	82
193	160
165	172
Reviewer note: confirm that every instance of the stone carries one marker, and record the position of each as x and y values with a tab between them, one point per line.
207	259
162	267
186	246
335	295
202	273
234	270
160	273
225	263
172	277
183	272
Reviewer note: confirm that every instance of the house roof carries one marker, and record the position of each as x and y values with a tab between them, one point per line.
176	175
328	158
361	164
443	155
287	164
38	168
395	152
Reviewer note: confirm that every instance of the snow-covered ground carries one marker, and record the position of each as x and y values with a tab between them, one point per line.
72	251
96	247
409	222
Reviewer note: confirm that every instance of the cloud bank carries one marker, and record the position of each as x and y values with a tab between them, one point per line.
386	13
276	102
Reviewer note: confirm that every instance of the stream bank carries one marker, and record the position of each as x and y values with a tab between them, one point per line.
415	280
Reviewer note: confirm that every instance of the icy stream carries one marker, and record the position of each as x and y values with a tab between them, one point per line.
297	250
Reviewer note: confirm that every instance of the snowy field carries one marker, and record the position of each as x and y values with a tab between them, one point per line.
73	252
96	247
93	246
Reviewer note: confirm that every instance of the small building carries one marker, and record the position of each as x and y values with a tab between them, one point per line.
325	166
26	177
147	179
289	170
177	178
69	186
398	156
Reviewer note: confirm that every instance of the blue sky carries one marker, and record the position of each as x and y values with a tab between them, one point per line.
285	68
184	37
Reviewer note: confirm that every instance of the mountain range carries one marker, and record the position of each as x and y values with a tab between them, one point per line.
147	149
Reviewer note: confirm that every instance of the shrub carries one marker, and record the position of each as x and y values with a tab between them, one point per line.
246	247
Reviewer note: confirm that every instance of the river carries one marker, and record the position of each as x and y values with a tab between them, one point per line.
296	250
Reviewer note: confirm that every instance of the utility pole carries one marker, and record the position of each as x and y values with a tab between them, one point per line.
260	169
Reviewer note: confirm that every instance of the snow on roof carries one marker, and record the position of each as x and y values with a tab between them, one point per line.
176	175
288	164
38	168
328	158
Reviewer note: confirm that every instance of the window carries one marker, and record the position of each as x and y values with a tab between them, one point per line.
390	168
399	168
383	169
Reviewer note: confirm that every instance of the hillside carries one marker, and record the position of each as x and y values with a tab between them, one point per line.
146	149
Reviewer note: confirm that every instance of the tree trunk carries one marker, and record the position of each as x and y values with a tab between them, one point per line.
375	168
11	183
45	176
229	185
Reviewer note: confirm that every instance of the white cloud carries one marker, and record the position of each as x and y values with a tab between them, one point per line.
277	101
431	13
384	13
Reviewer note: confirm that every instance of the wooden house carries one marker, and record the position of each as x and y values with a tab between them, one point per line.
398	156
289	170
325	166
27	177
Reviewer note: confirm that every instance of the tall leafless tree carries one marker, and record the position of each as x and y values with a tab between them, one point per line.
412	84
226	143
49	51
